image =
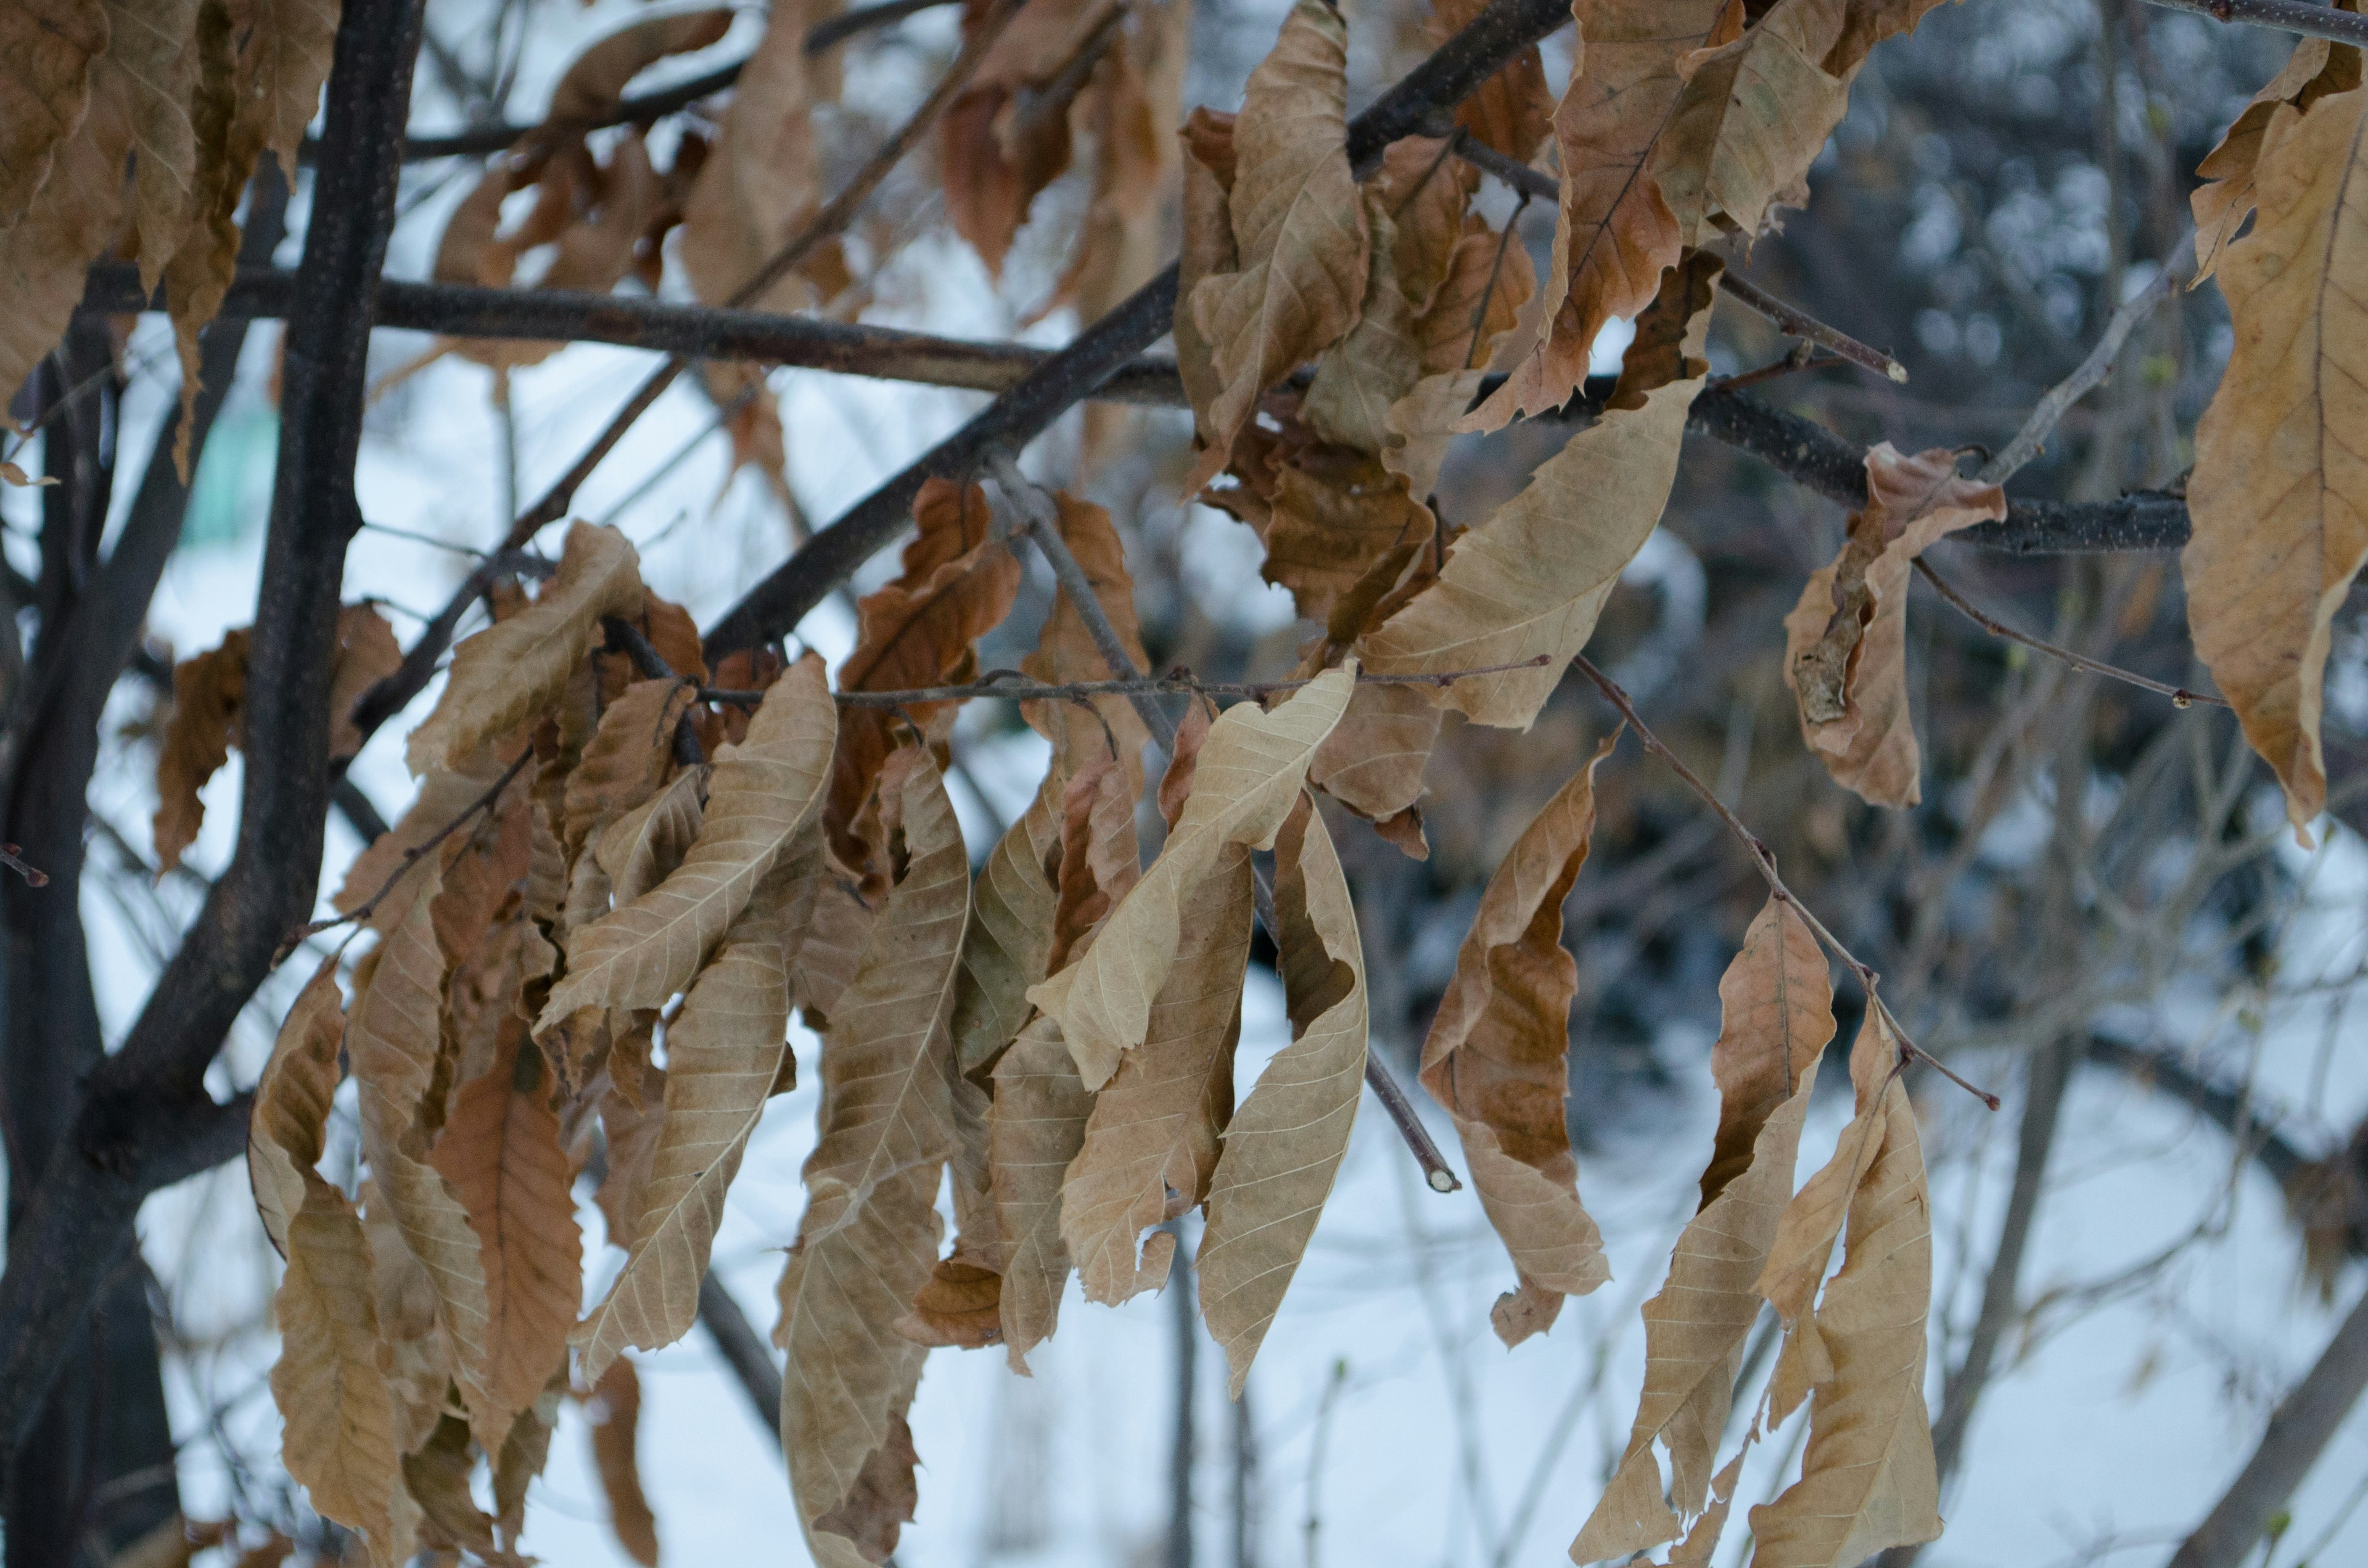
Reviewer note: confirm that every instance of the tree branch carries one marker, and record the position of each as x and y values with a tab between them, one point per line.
145	1110
776	605
2305	17
648	108
1797	448
2304	1424
744	1351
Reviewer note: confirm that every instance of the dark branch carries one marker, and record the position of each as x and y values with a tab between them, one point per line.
145	1108
2306	17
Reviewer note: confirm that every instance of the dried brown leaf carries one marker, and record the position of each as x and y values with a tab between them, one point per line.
723	1050
1298	226
1246	778
2280	492
761	181
1614	232
1777	1014
50	47
1066	651
614	1413
761	792
1497	1058
518	665
1283	1147
1846	642
1034	1129
1530	581
957	584
1155	1125
208	704
500	1150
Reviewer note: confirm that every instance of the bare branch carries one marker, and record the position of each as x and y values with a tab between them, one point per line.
2304	1424
145	1110
2180	696
2304	16
2050	409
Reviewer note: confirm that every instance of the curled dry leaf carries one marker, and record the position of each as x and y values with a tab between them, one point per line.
367	654
2223	198
1846	642
1298	226
1246	778
1867	1478
888	1055
1530	581
1207	251
1035	1128
150	69
642	849
209	700
723	1050
1284	1144
2279	492
1614	233
500	1151
329	1383
1776	1002
957	584
761	792
1754	114
760	183
1497	1058
49	46
614	1413
516	666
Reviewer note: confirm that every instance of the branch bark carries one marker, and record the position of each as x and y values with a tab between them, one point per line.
1800	449
2305	1423
144	1114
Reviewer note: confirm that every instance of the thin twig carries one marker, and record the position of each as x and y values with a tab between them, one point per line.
1041	519
1795	322
2030	440
34	876
1764	859
413	855
2305	17
1789	319
2180	696
831	217
1803	357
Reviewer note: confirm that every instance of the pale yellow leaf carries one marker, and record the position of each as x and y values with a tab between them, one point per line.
1283	1147
516	666
761	792
1530	581
722	1052
2279	492
1247	779
1299	228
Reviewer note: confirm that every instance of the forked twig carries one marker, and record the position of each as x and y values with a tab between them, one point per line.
1764	859
412	856
2180	696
